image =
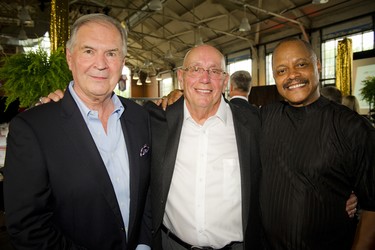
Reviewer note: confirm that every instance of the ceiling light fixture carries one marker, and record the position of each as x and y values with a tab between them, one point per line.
22	35
199	40
148	79
155	5
169	54
244	26
319	1
135	75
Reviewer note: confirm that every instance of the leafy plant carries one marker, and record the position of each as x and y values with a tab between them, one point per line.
368	90
28	76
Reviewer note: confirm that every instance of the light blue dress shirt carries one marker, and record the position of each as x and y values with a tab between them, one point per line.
112	149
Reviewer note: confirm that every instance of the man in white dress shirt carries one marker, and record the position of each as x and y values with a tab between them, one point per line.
205	186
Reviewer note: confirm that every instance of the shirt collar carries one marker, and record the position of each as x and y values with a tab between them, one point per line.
118	107
240	97
221	113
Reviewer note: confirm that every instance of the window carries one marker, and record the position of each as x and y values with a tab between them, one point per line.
239	65
360	42
166	84
269	74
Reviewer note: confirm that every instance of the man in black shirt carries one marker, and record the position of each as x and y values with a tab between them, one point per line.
314	153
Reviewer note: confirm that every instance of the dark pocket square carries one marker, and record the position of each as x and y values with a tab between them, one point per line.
144	150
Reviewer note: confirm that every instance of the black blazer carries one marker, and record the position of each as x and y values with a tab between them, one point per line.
166	129
242	103
58	194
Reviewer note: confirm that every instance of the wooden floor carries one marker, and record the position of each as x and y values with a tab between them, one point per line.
4	237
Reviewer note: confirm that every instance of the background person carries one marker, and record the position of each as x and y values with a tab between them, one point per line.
240	87
77	171
351	102
331	93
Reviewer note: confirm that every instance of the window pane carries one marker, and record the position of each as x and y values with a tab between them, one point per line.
240	65
356	43
166	86
360	42
269	75
368	40
328	58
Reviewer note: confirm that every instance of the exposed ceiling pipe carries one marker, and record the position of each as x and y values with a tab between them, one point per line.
197	24
282	17
276	15
140	15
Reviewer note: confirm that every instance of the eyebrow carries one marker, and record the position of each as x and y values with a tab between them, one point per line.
90	47
201	66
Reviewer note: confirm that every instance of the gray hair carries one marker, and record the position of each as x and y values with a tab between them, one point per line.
241	80
98	18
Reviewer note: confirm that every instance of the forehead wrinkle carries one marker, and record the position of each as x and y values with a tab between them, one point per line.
199	53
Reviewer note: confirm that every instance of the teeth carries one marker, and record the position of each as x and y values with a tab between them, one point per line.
296	86
204	90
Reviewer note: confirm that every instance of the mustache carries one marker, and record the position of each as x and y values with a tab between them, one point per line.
296	80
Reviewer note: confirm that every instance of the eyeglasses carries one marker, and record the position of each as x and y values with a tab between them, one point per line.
195	71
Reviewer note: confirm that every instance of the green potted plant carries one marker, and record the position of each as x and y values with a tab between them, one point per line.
368	93
28	76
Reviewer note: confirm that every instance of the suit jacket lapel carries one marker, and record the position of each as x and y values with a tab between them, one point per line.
174	116
76	128
130	131
243	137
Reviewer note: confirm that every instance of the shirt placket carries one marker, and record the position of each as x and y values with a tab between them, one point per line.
201	184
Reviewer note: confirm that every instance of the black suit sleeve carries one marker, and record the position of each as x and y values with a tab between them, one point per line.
29	215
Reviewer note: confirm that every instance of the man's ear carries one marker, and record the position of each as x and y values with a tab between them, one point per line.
68	57
231	87
180	79
225	83
319	65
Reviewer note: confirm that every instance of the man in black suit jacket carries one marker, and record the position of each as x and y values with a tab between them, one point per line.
239	89
77	172
178	224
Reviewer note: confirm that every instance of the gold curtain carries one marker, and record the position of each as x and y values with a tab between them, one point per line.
344	66
59	27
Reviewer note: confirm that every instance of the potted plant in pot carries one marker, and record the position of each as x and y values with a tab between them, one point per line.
368	94
28	76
